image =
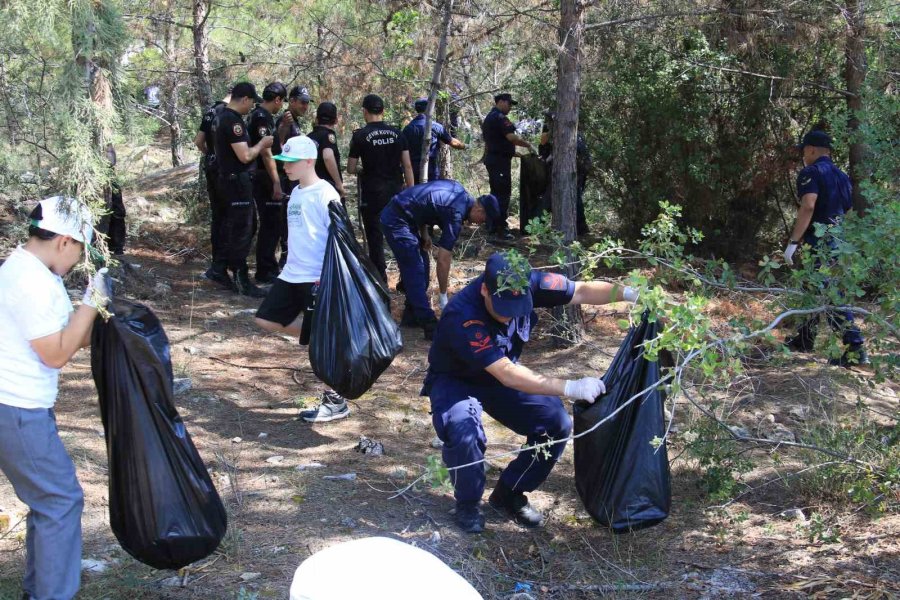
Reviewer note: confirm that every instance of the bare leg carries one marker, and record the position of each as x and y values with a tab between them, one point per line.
272	327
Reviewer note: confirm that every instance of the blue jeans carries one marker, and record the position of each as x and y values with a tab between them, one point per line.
456	414
37	465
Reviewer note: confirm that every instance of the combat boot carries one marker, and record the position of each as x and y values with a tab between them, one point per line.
469	518
245	287
219	274
515	504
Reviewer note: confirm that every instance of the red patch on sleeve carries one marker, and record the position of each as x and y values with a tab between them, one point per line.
473	322
553	281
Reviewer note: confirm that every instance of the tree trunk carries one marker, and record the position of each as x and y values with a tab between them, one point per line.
435	86
854	75
201	53
564	181
171	83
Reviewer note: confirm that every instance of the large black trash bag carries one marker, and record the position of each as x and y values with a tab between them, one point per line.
163	507
354	337
622	479
534	181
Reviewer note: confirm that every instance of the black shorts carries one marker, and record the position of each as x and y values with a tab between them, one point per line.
284	303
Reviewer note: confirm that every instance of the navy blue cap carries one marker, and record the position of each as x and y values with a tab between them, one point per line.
506	97
274	90
817	138
508	303
420	105
298	91
491	207
373	103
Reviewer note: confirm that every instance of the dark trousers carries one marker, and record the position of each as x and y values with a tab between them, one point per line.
372	200
239	223
581	220
499	169
841	321
432	171
268	237
456	409
413	262
113	224
217	210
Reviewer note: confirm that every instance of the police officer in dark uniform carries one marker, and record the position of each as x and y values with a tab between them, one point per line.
235	157
473	367
328	162
825	194
583	165
113	224
415	131
407	221
500	141
205	140
267	190
385	165
288	125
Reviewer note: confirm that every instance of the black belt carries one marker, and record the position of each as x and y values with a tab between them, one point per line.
234	176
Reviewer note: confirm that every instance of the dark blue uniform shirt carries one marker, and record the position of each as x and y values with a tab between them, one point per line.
468	339
494	129
415	131
444	203
833	189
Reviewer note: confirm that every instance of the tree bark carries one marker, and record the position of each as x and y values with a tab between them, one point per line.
569	327
854	75
435	86
201	53
171	83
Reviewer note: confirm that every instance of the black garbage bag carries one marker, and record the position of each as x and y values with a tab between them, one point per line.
621	478
163	507
354	337
534	181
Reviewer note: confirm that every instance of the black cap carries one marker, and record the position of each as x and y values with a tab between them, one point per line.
274	90
817	138
326	113
506	97
373	103
245	90
298	91
420	105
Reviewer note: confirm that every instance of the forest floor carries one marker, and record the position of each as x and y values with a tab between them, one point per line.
242	415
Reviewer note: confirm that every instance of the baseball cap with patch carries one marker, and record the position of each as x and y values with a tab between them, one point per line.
301	93
491	207
297	148
245	90
64	215
509	302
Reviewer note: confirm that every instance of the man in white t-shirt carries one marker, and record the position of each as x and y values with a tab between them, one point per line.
289	304
41	332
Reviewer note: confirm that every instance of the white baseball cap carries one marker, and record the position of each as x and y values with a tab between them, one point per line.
298	148
66	216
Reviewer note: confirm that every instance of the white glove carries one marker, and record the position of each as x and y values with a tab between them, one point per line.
443	300
789	253
97	291
629	294
586	388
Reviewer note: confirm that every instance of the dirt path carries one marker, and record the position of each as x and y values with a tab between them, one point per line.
282	510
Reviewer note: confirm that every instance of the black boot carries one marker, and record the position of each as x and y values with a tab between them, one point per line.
515	504
219	274
245	286
409	318
469	519
428	329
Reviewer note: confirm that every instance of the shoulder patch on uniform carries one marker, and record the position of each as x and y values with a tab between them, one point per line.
237	129
471	322
263	131
331	138
805	181
480	344
552	281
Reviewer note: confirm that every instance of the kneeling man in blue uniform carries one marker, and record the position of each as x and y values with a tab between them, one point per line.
406	222
473	367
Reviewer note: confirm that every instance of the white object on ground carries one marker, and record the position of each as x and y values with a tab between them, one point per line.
382	568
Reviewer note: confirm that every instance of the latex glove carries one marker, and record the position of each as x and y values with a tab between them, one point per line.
629	294
789	252
443	300
97	292
586	388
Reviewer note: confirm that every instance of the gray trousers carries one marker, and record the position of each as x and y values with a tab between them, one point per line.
37	465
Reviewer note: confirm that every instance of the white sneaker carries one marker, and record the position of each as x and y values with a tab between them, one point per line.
333	407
